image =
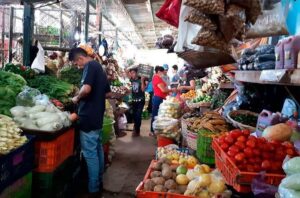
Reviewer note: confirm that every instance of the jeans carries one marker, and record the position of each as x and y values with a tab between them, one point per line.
137	108
93	153
156	101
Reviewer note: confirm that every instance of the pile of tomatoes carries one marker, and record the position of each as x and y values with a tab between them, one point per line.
253	154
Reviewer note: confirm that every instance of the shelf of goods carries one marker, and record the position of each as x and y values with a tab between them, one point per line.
290	77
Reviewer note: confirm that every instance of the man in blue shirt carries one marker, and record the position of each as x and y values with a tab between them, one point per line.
91	100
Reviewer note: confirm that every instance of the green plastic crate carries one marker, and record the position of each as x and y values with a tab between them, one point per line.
20	188
204	152
57	183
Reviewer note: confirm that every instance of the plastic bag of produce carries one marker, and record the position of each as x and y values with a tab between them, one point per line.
42	99
166	125
292	166
271	23
169	12
26	97
261	189
122	122
288	193
18	111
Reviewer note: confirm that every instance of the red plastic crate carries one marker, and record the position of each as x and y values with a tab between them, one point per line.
140	193
50	154
239	180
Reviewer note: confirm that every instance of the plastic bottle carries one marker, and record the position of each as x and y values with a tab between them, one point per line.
279	54
266	118
291	50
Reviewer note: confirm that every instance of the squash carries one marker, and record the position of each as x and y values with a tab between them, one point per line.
279	132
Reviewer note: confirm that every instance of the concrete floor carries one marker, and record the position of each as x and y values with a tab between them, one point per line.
133	156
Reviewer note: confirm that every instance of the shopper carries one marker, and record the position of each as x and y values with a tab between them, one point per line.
91	100
188	81
149	90
175	78
161	91
138	86
165	76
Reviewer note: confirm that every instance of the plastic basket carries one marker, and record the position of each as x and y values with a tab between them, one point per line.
240	181
163	141
238	124
19	189
140	193
192	140
205	153
17	163
107	128
57	183
50	154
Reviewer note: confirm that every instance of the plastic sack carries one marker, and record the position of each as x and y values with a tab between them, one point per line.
186	31
261	189
26	97
271	23
291	182
169	12
41	99
39	61
292	166
122	122
288	193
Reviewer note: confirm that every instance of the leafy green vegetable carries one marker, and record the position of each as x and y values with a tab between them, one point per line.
246	119
71	75
25	72
53	87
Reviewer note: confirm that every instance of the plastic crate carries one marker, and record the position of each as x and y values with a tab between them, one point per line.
50	154
239	180
205	153
140	193
19	189
17	163
57	183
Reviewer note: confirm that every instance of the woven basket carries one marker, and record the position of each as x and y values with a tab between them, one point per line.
184	128
238	124
192	140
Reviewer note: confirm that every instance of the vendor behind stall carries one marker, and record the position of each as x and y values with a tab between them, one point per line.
138	85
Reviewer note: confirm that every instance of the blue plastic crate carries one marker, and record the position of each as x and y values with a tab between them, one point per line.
17	163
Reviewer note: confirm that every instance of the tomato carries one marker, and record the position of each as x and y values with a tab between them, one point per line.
288	145
256	152
248	152
257	160
242	139
252	160
240	145
240	157
257	168
266	165
266	155
234	149
221	140
235	133
277	166
231	153
251	143
269	147
229	140
290	152
224	146
280	154
246	132
262	140
232	159
250	168
276	143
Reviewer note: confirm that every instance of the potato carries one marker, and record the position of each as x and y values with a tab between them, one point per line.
159	188
182	188
155	174
149	185
174	167
174	191
165	161
170	184
167	173
174	176
165	166
158	180
157	166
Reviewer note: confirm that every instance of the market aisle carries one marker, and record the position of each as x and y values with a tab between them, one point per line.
133	156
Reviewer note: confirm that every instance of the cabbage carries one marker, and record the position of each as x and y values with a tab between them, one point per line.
292	166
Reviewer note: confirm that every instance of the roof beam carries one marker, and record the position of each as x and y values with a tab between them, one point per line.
152	16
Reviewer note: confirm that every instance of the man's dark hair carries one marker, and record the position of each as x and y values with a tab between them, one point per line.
133	69
175	67
77	52
159	68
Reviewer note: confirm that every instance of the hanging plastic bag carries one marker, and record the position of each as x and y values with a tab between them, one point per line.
169	12
271	22
39	61
122	122
261	189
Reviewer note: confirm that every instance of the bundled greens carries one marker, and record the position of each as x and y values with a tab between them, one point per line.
53	87
71	75
25	72
10	85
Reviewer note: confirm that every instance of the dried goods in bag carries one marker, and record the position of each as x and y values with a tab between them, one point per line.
254	11
207	6
233	22
199	18
242	3
271	23
211	39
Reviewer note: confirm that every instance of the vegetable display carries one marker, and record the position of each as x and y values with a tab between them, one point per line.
10	135
10	85
189	95
25	72
253	154
246	119
170	108
53	87
71	75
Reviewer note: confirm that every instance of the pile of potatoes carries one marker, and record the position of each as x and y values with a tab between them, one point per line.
163	178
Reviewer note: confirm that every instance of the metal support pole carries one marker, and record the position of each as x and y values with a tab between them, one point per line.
99	19
116	39
11	28
87	19
27	32
2	38
60	28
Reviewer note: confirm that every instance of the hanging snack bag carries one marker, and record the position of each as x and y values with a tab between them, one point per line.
199	18
207	6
